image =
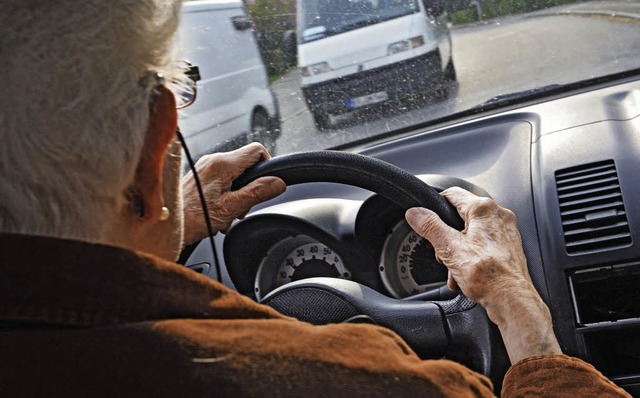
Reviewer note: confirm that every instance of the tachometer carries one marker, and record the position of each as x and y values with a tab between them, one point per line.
296	258
408	264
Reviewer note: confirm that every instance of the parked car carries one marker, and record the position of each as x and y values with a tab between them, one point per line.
357	53
235	104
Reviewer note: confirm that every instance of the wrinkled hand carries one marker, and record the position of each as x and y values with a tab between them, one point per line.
486	261
484	258
216	173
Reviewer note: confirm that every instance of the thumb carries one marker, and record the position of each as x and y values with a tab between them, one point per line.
451	282
428	225
237	203
261	190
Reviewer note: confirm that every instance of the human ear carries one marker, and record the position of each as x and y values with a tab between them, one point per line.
145	194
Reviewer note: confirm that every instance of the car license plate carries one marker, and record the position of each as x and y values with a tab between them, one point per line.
367	99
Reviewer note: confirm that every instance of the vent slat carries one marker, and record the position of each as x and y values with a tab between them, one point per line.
601	240
588	233
592	169
603	175
581	212
593	201
586	193
588	184
592	209
573	225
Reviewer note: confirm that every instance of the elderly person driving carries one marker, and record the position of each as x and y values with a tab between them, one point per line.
92	216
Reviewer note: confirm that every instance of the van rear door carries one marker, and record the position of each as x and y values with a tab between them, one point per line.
217	36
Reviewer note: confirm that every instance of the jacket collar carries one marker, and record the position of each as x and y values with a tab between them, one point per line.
64	282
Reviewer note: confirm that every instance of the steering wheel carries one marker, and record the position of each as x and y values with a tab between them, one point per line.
458	328
385	179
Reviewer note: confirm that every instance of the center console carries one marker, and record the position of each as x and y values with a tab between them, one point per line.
586	190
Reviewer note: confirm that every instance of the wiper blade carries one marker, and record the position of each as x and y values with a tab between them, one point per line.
370	20
505	99
545	91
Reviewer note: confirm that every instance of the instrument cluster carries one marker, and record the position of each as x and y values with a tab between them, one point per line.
371	244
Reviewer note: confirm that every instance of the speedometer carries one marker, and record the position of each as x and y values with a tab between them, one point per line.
296	258
408	264
311	260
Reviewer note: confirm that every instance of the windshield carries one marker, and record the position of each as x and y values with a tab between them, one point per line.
321	18
316	74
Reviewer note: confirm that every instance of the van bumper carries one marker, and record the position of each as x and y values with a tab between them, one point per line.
421	73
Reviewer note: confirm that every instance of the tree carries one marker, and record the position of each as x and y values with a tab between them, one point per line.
272	18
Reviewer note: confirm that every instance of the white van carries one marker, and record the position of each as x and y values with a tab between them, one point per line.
355	53
234	103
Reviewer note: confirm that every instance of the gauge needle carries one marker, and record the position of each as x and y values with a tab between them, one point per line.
297	270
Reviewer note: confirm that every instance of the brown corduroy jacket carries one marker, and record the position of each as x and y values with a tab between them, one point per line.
79	319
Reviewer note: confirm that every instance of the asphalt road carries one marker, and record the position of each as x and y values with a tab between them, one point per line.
492	58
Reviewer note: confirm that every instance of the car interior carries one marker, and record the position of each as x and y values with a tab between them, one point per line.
335	247
557	143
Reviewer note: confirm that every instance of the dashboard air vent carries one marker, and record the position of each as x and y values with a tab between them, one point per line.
591	207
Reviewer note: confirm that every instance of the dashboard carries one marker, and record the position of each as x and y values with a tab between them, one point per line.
566	166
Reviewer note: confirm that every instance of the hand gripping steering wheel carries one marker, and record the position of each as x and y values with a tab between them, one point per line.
456	328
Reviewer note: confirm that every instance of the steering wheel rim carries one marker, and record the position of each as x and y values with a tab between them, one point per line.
385	179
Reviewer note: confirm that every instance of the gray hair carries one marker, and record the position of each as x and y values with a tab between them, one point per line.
73	110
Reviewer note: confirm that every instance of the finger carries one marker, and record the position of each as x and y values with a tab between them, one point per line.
243	158
227	166
459	198
428	225
451	282
236	204
253	152
242	216
225	229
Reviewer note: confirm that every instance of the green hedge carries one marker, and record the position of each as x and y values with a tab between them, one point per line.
499	8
